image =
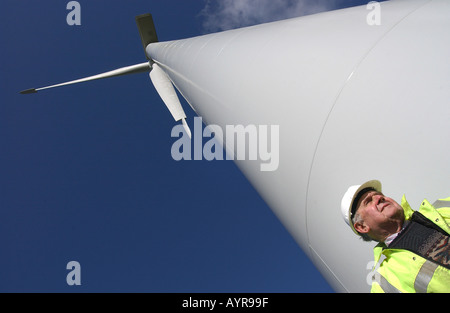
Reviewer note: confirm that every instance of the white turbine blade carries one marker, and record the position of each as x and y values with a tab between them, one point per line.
166	91
186	128
133	69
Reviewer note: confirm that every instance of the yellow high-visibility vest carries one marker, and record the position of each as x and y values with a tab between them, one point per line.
403	271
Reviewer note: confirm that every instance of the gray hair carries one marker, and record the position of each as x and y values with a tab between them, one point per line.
359	219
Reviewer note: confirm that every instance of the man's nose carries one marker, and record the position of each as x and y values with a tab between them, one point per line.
377	199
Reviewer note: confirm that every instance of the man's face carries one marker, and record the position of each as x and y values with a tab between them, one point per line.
382	215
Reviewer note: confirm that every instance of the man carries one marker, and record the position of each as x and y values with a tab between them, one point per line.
413	250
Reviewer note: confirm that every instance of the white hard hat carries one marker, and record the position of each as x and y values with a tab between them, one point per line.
352	196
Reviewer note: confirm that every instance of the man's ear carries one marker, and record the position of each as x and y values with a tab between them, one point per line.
361	227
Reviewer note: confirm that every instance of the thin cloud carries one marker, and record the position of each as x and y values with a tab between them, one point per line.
219	15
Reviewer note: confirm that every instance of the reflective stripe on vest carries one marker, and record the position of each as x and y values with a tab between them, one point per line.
424	276
441	204
385	285
421	282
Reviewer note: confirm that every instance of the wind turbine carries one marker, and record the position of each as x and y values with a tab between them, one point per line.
353	101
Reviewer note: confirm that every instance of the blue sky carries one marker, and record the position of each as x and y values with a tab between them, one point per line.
86	172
